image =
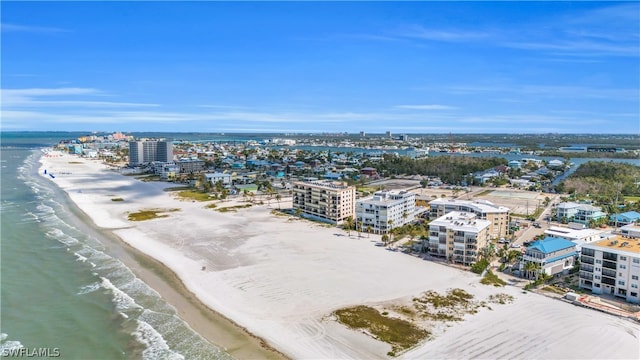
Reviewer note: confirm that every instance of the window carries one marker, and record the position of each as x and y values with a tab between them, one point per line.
598	261
623	258
634	277
620	282
597	277
635	286
623	266
636	261
597	285
634	294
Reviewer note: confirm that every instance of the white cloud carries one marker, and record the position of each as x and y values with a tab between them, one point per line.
426	107
29	98
449	35
30	28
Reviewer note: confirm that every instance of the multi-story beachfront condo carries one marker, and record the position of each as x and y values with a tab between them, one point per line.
612	266
498	216
385	210
327	200
458	237
147	151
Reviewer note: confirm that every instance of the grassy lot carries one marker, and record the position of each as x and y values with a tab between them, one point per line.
400	334
485	192
149	214
632	198
194	195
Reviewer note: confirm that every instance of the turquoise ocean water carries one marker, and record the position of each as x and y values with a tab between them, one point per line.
60	288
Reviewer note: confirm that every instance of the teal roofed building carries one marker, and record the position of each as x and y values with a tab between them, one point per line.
550	256
626	218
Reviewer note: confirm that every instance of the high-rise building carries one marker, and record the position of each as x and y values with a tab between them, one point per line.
147	151
385	210
328	200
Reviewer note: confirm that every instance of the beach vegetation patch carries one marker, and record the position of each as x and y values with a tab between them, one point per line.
149	214
398	333
554	290
449	307
479	266
211	206
75	162
117	199
501	298
233	208
492	279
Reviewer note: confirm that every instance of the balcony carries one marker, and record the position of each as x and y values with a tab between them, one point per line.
586	260
586	275
609	265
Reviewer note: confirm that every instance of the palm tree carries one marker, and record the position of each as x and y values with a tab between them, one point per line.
348	224
369	231
390	222
385	239
298	212
278	198
533	267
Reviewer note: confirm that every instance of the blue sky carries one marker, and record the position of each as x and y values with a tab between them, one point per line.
409	67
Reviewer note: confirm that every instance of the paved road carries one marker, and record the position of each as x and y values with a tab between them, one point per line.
528	233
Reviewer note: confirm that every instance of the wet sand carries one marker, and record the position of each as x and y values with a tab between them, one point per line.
211	325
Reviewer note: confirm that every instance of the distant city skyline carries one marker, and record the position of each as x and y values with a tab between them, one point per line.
300	67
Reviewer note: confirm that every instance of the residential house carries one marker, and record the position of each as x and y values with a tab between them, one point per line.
553	255
626	218
214	178
580	213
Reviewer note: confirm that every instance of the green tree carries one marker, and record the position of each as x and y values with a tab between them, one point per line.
348	225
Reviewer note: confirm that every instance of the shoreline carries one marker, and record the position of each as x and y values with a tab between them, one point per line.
281	278
213	326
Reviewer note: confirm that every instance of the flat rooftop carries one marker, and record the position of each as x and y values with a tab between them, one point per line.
618	243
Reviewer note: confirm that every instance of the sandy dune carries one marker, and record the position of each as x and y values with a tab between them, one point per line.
282	278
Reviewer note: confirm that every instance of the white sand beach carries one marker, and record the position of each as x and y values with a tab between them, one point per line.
282	278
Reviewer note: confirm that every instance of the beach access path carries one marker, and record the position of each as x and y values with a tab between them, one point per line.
281	278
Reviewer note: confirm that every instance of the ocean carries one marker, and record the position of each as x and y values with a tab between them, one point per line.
62	289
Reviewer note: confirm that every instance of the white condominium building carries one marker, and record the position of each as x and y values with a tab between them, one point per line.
612	266
458	237
578	236
498	216
328	200
147	151
385	210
